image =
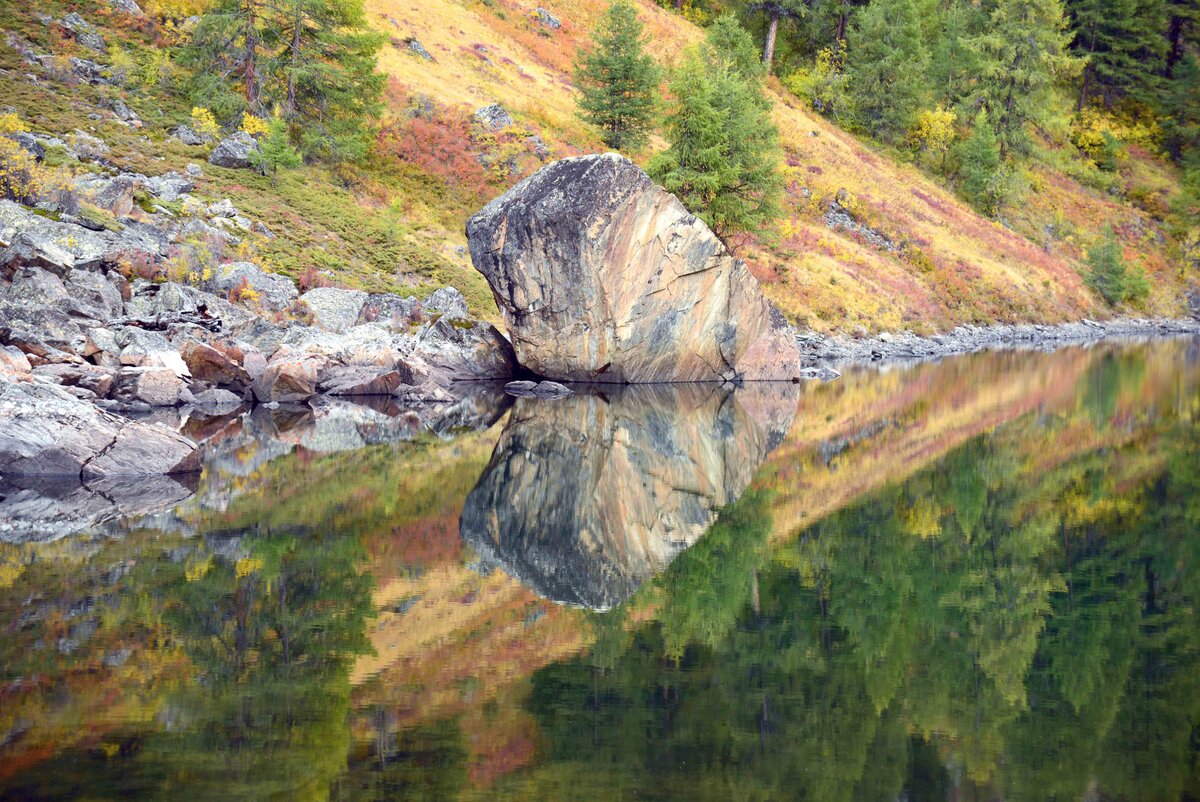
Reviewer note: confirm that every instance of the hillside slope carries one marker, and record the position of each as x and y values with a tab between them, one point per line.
868	243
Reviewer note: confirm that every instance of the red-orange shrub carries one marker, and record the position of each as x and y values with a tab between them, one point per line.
440	146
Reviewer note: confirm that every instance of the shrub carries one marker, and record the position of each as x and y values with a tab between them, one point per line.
1111	276
441	147
205	123
254	126
825	84
933	134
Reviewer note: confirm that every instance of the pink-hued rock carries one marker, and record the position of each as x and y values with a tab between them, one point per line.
601	275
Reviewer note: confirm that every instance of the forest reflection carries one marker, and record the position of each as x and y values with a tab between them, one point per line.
969	580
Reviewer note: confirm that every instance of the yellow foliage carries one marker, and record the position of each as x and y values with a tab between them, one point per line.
254	126
934	131
204	122
247	566
176	9
11	124
195	571
22	179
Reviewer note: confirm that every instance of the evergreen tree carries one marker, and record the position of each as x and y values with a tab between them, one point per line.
1021	51
980	165
730	42
1180	112
775	11
313	58
275	150
724	149
618	80
1110	276
953	65
1183	20
887	66
1121	46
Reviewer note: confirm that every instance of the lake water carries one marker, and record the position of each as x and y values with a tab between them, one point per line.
973	580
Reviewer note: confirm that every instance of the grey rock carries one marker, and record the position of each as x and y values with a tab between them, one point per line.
194	170
602	276
274	292
169	187
290	376
83	32
113	194
13	362
128	6
416	47
29	144
216	400
57	247
546	18
45	431
360	380
154	386
223	208
125	114
391	311
335	309
493	117
234	152
522	389
86	146
149	349
93	296
447	352
188	136
447	301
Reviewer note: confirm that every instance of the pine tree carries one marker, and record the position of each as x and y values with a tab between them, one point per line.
887	66
1183	22
275	150
1121	45
1180	113
776	11
724	150
980	165
1021	51
618	80
313	58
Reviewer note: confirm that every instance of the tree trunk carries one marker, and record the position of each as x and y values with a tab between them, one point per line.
250	59
843	20
1174	45
1083	89
769	46
295	59
679	5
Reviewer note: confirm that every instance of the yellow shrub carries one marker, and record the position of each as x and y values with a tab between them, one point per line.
933	132
22	179
11	124
204	122
254	126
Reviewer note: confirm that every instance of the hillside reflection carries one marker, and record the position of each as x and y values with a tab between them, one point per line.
976	579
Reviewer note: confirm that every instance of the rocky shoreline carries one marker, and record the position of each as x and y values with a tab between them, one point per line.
820	353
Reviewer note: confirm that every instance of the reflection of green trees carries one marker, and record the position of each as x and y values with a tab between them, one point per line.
1029	632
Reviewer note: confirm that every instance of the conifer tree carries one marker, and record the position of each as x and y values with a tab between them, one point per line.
730	42
724	150
1121	45
887	65
618	80
275	150
1020	52
980	165
313	58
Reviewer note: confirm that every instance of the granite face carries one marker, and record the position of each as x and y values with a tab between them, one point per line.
587	497
602	276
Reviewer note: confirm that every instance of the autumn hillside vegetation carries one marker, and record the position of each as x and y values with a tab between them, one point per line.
880	165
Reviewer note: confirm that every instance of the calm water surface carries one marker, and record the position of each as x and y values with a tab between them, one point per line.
975	580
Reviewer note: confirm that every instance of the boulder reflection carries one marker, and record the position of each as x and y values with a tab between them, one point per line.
587	497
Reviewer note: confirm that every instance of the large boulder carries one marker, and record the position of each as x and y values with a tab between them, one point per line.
45	431
603	276
235	152
274	292
290	376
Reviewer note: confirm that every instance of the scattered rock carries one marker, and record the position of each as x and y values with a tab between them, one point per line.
213	365
274	292
546	18
188	136
128	6
153	386
360	380
113	194
125	114
494	117
216	400
45	431
448	302
335	309
838	216
169	186
235	151
602	276
83	32
149	349
416	47
87	147
290	376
